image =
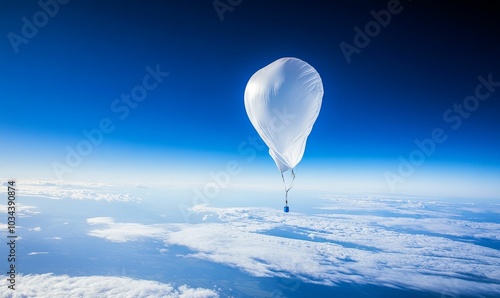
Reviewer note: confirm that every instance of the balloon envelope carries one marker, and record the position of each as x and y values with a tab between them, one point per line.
283	101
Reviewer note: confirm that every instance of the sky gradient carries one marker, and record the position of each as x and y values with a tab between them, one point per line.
401	86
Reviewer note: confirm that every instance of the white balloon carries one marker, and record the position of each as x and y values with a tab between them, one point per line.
283	101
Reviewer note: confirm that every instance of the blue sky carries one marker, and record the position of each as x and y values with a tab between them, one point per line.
397	89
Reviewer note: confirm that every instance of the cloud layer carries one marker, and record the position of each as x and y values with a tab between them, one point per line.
75	190
414	253
49	286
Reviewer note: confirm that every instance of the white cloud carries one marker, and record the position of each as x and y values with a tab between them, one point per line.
54	238
122	232
75	190
372	204
36	229
21	210
444	226
48	286
329	249
37	253
420	215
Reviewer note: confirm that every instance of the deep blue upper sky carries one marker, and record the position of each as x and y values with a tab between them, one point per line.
65	78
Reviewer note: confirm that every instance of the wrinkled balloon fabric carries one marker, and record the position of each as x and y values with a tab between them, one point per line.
283	101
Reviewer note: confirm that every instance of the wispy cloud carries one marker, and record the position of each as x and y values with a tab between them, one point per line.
333	248
54	238
75	190
123	232
96	286
21	210
37	253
